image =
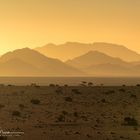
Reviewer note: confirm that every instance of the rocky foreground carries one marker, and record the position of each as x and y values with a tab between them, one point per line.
70	113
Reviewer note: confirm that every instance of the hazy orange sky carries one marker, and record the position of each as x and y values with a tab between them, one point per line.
33	23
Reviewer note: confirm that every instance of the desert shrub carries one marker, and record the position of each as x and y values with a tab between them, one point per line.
59	90
2	106
52	85
138	85
2	85
133	96
9	85
68	99
16	113
109	92
21	106
84	82
89	136
76	91
35	101
75	114
90	84
60	118
130	121
57	85
122	90
35	85
3	138
103	101
77	133
64	112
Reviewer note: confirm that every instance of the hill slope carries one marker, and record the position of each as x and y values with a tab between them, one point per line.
71	50
33	63
99	64
94	58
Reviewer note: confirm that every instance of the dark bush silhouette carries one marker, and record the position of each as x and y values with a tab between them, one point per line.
35	101
64	112
130	121
68	99
16	113
138	85
76	91
90	84
21	106
103	101
2	106
133	96
3	138
122	90
52	85
60	118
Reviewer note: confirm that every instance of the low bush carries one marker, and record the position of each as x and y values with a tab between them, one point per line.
35	101
130	121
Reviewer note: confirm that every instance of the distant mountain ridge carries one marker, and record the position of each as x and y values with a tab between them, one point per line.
99	64
94	58
17	67
71	50
29	62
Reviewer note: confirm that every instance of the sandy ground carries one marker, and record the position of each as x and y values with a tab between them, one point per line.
70	113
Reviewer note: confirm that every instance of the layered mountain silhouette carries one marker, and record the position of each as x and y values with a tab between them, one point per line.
96	63
17	67
27	62
71	50
95	58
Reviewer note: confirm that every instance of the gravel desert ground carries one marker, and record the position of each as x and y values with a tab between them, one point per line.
70	112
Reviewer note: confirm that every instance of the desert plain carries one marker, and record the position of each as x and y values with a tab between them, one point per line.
83	112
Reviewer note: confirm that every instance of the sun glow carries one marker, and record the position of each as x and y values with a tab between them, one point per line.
35	23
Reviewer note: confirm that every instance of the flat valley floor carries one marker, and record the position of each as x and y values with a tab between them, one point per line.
70	112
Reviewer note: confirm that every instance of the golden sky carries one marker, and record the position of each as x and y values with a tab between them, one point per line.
33	23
